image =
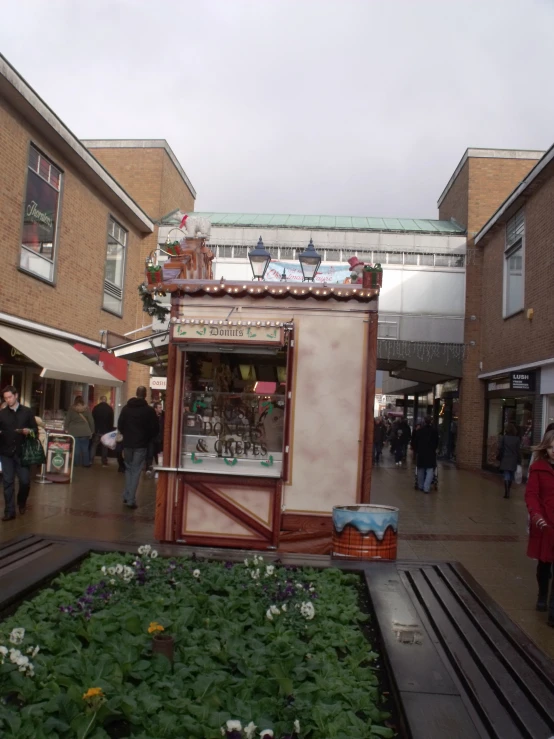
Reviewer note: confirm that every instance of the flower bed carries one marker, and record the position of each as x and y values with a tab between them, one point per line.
259	651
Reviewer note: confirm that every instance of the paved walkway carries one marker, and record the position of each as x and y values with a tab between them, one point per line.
466	520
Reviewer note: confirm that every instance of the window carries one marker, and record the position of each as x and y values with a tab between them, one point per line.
114	273
40	218
513	264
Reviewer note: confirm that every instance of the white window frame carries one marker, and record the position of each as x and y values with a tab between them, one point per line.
25	253
110	289
515	241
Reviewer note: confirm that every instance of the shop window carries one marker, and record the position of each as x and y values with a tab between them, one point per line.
40	218
514	255
114	273
234	413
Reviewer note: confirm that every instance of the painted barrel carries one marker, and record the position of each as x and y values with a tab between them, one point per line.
365	531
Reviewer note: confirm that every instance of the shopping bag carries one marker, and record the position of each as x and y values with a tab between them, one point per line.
32	451
518	476
109	440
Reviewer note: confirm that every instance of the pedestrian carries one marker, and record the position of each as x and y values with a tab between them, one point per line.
403	436
425	444
16	422
157	444
509	456
102	414
379	436
79	423
139	425
539	498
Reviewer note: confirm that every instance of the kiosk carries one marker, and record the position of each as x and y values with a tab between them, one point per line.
269	404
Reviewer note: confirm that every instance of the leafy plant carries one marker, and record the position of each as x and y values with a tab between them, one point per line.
270	648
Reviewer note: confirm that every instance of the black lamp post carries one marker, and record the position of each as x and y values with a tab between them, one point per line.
309	262
259	260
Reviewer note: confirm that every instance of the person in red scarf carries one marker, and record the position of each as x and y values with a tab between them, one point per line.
539	497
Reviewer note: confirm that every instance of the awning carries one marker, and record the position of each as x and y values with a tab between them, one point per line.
151	350
59	361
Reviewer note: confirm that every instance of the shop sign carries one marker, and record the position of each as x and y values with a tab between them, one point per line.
211	330
158	383
522	381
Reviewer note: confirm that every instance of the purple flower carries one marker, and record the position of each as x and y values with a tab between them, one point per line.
229	565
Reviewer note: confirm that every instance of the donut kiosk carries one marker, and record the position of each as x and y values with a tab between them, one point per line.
269	404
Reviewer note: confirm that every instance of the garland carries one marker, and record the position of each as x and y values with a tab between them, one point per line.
152	306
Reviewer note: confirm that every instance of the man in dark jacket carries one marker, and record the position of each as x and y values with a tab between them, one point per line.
103	424
425	444
16	422
138	422
379	436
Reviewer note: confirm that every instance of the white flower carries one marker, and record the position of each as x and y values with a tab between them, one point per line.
234	725
119	569
103	569
246	562
311	590
266	733
297	726
35	651
153	554
268	614
111	570
17	635
196	573
307	610
269	570
255	574
250	730
3	651
22	661
299	585
15	654
274	609
112	581
144	549
284	607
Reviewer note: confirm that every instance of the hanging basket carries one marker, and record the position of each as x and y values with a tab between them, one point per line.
174	247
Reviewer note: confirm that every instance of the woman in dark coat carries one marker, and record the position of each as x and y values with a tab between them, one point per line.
509	454
539	498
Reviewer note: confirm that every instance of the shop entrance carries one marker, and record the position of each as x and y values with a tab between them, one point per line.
518	411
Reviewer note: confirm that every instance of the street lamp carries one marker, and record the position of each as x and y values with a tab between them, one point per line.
259	260
309	262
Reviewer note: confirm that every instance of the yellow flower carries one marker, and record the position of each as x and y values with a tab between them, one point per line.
155	627
93	693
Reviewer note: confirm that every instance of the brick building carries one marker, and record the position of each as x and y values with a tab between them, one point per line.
73	243
504	200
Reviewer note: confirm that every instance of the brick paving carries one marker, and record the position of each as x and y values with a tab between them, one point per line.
466	520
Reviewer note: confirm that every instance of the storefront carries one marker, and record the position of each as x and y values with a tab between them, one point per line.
269	405
511	399
50	373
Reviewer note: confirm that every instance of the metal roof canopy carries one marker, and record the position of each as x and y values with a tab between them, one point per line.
60	361
327	223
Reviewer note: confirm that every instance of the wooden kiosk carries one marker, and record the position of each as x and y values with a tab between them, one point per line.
269	405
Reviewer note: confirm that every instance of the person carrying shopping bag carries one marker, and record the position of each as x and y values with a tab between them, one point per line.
80	424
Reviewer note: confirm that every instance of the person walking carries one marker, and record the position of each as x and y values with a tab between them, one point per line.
539	498
16	422
403	436
379	436
509	456
102	414
139	425
157	444
425	444
80	424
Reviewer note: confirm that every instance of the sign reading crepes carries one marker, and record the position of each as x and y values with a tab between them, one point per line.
235	332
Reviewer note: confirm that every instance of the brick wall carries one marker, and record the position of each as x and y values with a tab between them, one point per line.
455	203
74	303
485	182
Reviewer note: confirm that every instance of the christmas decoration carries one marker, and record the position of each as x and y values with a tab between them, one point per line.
152	306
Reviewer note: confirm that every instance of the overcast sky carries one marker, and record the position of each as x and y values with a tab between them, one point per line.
343	107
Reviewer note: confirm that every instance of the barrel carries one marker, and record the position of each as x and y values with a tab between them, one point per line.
365	531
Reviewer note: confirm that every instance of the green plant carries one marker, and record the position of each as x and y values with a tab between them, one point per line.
264	646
